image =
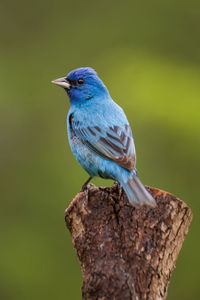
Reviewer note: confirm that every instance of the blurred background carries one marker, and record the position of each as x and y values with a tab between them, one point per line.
148	55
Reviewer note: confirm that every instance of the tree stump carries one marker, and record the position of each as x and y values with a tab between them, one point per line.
126	252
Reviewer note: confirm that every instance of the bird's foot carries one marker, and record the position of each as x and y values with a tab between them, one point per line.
85	185
87	191
87	194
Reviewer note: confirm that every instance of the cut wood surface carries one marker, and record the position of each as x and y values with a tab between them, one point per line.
126	252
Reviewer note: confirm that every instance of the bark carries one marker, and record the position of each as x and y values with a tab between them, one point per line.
126	252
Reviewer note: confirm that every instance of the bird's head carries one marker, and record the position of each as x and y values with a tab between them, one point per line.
82	85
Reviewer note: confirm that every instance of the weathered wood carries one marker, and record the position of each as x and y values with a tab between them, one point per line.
126	252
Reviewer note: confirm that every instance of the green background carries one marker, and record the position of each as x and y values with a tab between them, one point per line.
148	55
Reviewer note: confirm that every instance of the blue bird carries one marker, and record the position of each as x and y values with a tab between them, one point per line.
100	135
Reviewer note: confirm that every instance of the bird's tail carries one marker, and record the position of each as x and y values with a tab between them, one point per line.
137	193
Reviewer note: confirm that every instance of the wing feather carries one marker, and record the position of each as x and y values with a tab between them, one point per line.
112	142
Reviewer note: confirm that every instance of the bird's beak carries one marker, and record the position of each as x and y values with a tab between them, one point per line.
63	82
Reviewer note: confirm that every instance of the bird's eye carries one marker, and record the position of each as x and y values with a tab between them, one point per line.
81	81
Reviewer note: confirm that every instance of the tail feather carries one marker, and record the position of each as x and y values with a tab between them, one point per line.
137	193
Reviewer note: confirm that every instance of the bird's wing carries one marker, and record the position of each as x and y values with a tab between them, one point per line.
112	142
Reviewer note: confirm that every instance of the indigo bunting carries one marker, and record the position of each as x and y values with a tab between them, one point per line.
100	135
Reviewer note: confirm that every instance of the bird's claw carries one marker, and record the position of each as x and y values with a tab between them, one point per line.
85	186
86	200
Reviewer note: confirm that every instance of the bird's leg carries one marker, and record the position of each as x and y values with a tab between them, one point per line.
84	187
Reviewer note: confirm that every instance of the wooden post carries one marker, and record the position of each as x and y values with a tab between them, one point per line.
126	252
